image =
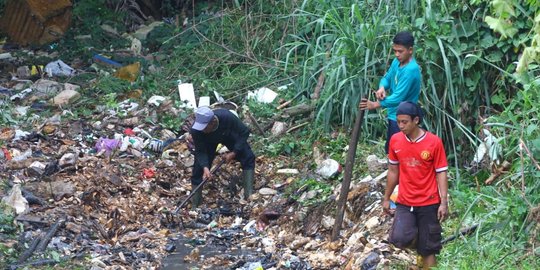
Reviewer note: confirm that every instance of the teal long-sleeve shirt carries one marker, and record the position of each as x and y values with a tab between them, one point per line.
403	84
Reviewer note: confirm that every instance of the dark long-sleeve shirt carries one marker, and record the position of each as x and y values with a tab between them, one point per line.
230	132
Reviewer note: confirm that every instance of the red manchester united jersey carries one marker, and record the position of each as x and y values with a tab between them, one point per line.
418	162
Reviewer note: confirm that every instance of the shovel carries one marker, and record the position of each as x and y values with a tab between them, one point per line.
213	171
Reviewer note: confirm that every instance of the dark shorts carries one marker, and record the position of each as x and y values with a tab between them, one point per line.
419	228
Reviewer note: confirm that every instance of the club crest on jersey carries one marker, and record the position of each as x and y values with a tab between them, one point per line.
425	155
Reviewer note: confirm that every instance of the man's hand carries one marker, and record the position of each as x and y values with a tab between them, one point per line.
230	156
442	213
380	93
386	207
368	105
206	174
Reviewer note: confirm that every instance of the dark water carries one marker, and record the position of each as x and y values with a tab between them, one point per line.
217	251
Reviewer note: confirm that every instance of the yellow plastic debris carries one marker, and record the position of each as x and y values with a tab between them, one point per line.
129	72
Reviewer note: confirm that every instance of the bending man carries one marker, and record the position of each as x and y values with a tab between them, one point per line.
211	128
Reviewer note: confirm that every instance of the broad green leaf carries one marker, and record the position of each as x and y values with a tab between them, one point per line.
531	128
501	26
494	56
503	8
487	41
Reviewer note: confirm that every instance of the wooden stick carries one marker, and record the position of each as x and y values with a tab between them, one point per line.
462	232
286	103
47	261
254	121
28	252
47	238
349	165
297	127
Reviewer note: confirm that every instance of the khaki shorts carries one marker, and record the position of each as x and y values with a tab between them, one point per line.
417	227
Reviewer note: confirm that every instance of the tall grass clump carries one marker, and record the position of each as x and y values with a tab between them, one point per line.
349	43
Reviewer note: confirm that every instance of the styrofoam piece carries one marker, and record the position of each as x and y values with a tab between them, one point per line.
187	95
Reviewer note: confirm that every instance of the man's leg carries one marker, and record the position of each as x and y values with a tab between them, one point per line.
404	228
429	261
393	128
196	177
429	235
247	160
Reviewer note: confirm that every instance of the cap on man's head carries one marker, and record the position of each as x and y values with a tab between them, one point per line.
409	108
404	38
203	116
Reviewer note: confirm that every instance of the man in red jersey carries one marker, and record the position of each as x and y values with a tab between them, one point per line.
417	161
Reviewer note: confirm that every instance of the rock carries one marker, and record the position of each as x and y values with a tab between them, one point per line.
267	191
68	159
193	256
133	121
328	222
308	195
58	189
109	29
66	97
21	110
372	222
143	32
69	86
324	260
299	242
376	165
35	169
46	87
279	128
328	168
354	239
23	72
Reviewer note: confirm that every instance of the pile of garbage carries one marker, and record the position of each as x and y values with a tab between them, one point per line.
103	190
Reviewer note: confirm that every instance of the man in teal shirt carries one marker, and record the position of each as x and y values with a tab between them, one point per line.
402	81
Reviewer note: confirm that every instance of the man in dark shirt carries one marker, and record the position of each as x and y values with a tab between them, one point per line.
220	126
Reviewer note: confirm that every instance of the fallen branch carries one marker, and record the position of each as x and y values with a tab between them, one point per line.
254	121
28	252
498	171
47	261
462	232
286	103
47	238
30	220
297	127
299	109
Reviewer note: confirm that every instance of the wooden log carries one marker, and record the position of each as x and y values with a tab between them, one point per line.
349	164
299	109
